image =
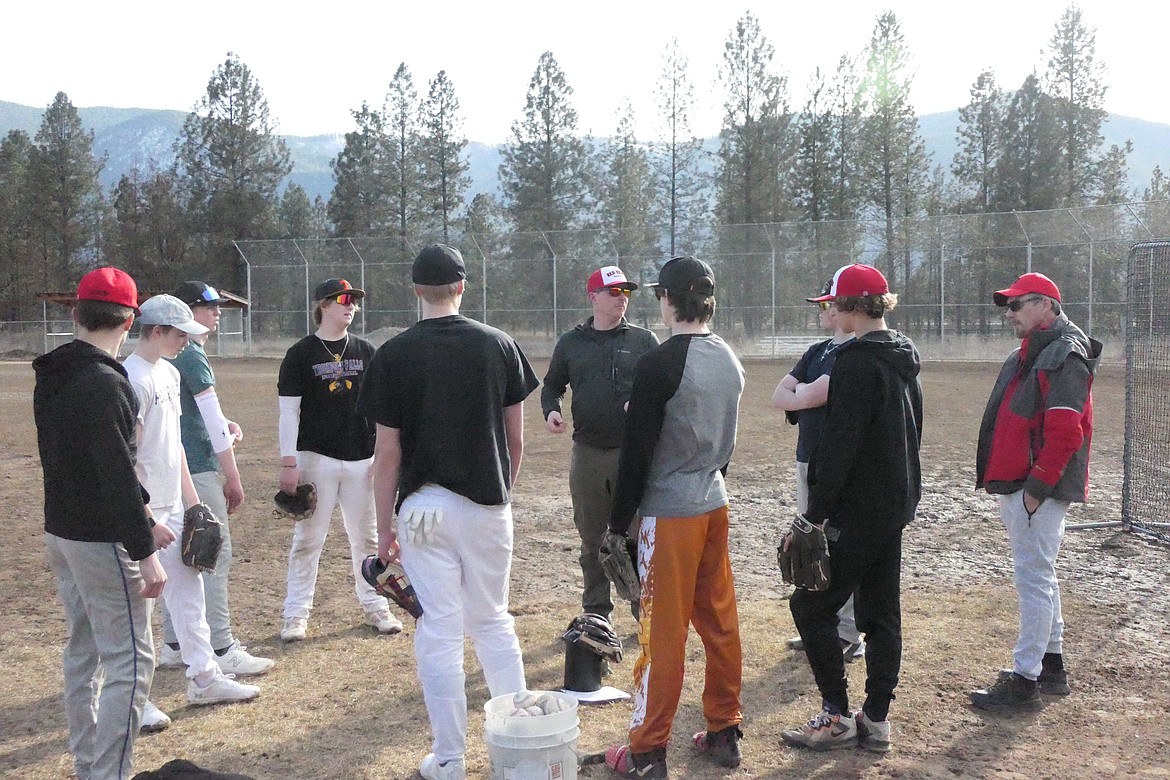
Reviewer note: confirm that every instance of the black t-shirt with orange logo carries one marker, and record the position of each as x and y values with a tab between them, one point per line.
327	376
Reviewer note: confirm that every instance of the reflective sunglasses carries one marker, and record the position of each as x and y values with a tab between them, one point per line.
1016	305
345	300
825	305
617	292
210	294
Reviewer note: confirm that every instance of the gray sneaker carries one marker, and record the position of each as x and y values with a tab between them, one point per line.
873	736
824	731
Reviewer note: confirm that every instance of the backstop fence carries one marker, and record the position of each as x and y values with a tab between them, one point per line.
1146	486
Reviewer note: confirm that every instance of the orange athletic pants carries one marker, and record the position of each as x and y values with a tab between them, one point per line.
685	571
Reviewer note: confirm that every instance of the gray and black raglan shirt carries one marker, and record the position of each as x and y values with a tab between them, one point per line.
680	431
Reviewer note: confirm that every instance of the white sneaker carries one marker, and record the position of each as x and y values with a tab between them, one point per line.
153	719
294	629
168	658
223	688
237	660
384	621
431	769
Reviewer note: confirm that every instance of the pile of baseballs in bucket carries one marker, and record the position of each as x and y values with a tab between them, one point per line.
530	704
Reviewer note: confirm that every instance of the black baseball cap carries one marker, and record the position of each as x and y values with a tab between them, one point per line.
686	274
828	288
198	294
438	264
331	288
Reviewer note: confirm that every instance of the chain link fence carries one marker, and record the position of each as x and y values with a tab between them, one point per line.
943	268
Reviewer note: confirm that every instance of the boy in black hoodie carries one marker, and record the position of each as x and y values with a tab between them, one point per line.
100	537
864	493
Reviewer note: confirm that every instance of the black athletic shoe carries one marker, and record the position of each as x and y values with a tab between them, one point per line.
1052	682
1009	693
721	746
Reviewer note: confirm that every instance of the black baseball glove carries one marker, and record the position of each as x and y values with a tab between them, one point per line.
618	563
298	506
390	580
596	632
803	555
202	538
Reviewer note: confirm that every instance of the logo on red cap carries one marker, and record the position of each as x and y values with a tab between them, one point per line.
608	276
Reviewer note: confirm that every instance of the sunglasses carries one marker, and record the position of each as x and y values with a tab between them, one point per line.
1014	306
345	300
210	294
618	292
825	305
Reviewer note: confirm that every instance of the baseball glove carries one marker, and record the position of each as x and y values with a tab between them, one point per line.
597	633
202	538
298	506
803	555
618	563
390	580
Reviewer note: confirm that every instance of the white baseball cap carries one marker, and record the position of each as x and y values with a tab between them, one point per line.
169	310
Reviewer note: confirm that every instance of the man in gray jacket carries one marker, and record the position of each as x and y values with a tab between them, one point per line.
596	359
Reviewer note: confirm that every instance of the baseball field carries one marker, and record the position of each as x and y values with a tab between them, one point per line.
345	703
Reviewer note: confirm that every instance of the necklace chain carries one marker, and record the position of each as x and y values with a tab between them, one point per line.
335	355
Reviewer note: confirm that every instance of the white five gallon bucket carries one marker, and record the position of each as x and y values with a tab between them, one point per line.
533	747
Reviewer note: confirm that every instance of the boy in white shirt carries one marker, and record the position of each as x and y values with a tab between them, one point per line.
162	468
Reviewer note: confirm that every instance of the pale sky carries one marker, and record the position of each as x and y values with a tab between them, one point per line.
318	61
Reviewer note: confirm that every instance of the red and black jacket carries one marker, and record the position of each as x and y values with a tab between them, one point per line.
1038	423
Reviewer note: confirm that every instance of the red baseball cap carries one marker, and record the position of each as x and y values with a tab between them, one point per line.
855	281
608	276
1028	284
109	284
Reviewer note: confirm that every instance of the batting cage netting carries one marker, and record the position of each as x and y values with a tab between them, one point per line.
1146	488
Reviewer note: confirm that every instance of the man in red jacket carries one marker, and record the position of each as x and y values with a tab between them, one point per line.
1034	454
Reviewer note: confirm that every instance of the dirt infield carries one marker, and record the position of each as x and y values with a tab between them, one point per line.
345	703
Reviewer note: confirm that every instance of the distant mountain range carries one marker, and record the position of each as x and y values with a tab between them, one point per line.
132	136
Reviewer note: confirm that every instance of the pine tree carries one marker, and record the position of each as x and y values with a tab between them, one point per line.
1075	78
893	153
300	218
149	232
67	202
1029	176
545	171
756	151
232	162
677	159
360	202
441	147
629	208
20	268
403	163
979	141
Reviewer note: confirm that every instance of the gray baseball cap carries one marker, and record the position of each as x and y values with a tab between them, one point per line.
169	310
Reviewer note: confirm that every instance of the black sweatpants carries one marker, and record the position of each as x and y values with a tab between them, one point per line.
869	567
